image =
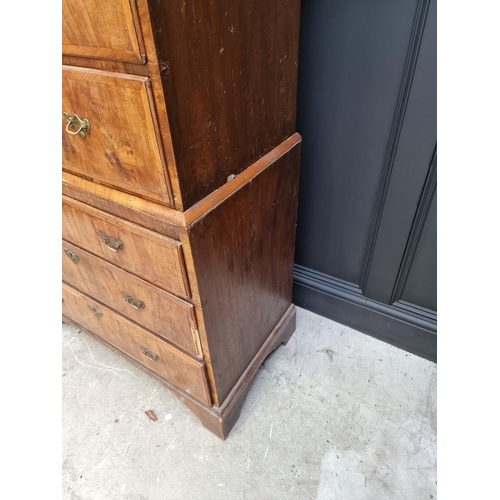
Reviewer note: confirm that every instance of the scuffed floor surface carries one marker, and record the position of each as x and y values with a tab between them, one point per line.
333	415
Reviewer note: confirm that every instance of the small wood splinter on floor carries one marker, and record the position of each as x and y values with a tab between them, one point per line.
151	415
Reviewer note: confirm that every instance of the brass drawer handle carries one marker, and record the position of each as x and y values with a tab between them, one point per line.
71	255
136	304
80	126
150	355
95	310
114	244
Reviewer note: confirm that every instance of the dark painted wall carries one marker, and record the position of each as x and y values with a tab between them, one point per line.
366	238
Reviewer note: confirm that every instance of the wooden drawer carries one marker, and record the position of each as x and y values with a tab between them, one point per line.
122	147
153	257
166	315
103	30
178	368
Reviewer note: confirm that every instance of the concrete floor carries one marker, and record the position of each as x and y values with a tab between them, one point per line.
335	414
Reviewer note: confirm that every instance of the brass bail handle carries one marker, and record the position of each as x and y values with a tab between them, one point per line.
136	304
114	244
72	255
150	355
80	126
95	310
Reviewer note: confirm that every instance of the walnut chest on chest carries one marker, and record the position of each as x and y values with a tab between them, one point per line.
180	181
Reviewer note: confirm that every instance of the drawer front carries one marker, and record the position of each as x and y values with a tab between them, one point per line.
166	315
103	30
150	256
182	371
119	144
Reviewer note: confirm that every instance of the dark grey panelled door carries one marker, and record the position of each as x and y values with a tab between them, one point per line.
366	237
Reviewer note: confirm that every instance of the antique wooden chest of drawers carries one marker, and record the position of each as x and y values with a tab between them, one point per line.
180	182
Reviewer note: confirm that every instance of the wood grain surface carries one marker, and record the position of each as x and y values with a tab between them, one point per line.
154	258
162	313
242	253
229	73
122	148
146	213
106	30
180	369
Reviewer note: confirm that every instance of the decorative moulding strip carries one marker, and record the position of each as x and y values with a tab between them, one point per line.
198	210
207	204
121	198
423	207
403	311
397	125
403	327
